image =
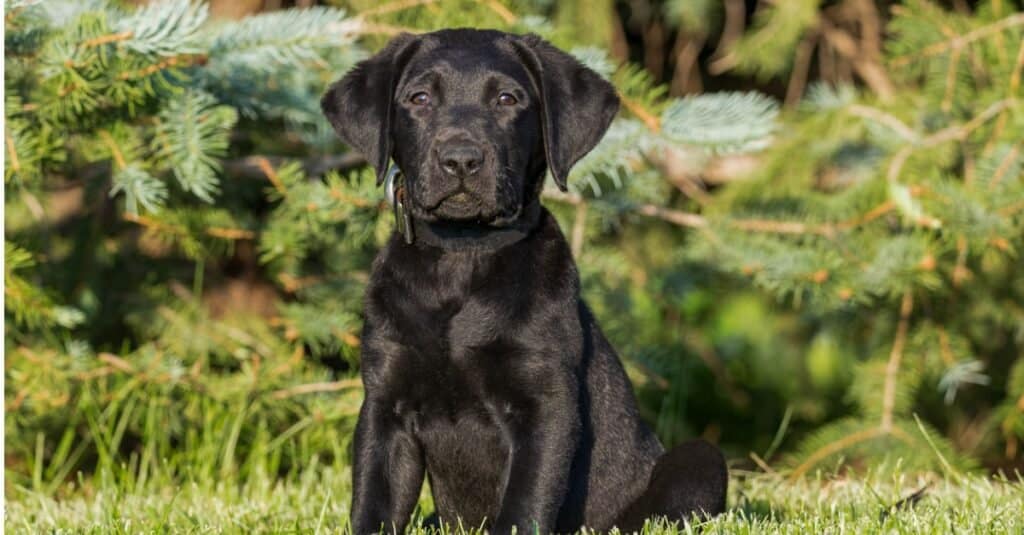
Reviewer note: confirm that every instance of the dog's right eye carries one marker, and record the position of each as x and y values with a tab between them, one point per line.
420	99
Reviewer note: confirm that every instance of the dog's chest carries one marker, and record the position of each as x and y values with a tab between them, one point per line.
462	428
452	357
467	456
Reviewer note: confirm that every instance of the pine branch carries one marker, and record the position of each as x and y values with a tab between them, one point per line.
892	368
232	234
768	226
877	115
194	134
651	121
959	41
835	447
269	40
164	28
393	6
139	188
12	153
867	67
315	388
271	174
951	133
722	122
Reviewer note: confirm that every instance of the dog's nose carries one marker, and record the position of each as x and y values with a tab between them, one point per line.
463	159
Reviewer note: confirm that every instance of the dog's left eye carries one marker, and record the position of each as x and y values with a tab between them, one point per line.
420	99
507	99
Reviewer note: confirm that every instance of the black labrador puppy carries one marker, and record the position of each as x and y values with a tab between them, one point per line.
483	367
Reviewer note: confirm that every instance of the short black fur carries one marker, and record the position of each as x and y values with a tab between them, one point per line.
484	370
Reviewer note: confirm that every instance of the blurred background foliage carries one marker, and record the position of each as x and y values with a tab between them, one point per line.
802	234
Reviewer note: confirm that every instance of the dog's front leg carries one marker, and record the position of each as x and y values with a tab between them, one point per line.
545	435
387	473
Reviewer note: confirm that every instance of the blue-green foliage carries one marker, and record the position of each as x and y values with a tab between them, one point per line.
185	267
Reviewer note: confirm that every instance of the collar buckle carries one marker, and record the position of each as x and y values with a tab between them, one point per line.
394	191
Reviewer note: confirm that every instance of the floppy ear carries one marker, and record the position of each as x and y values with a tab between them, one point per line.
360	105
577	104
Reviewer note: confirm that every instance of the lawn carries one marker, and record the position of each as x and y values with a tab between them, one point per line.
317	502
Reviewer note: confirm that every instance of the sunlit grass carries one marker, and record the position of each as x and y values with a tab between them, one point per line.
317	500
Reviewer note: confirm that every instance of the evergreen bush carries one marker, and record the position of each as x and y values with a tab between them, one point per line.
186	246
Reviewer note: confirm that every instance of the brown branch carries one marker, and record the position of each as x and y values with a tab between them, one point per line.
653	39
346	198
502	11
109	38
1015	78
33	205
960	271
293	284
618	47
705	351
652	122
182	60
1017	68
1004	166
867	68
216	232
732	30
1012	209
579	226
312	388
801	66
231	233
11	150
868	217
348	338
776	227
691	220
117	362
686	60
391	7
252	166
827	69
114	150
271	174
962	131
870	28
835	447
368	28
892	368
690	187
950	83
682	219
955	132
761	463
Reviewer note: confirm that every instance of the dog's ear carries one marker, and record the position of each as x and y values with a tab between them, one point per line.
360	105
577	104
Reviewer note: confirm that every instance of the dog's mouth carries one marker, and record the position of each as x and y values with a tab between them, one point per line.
463	206
459	197
459	204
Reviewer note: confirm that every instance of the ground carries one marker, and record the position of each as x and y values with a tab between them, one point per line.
317	502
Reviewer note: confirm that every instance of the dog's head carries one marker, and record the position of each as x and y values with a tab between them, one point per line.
473	118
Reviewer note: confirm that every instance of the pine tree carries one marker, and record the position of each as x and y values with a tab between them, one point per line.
150	150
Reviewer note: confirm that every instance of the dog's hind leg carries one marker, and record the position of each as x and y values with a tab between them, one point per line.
690	478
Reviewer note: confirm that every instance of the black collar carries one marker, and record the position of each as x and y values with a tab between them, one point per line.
462	237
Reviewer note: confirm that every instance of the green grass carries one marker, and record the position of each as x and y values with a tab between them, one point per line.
317	502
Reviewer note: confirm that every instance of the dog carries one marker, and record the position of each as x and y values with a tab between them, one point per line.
483	368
